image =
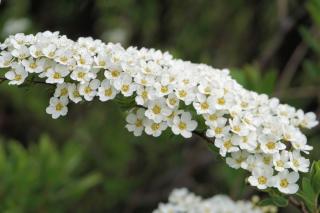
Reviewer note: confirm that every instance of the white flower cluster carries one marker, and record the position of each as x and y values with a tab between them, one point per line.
252	131
183	201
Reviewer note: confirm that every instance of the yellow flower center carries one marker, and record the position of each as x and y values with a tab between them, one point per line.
221	101
115	73
172	101
51	54
262	180
138	123
284	183
125	88
102	63
156	109
271	145
182	93
204	105
236	128
59	106
18	77
144	95
144	82
82	61
266	160
88	90
108	92
64	91
33	65
38	53
227	144
280	163
56	75
218	130
76	93
164	89
182	125
296	163
213	117
81	75
63	59
155	126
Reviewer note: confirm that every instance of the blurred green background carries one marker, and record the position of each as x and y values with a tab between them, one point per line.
87	161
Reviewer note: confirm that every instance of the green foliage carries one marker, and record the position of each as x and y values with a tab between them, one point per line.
310	190
42	177
252	79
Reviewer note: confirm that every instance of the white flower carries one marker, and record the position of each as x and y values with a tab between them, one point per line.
64	56
185	94
62	90
84	59
286	182
218	129
238	127
221	99
172	101
281	161
226	145
237	159
34	66
203	105
158	110
144	94
214	118
248	142
183	125
74	94
162	89
17	75
36	51
242	122
269	144
125	85
307	120
5	59
21	53
82	75
106	91
57	107
153	128
56	74
261	177
113	73
135	122
298	163
50	51
89	90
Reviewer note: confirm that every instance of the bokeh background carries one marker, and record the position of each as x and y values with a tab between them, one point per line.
87	161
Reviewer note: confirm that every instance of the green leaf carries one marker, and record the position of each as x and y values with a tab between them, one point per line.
307	194
315	177
276	200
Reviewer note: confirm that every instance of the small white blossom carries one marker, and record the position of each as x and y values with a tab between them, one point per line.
135	122
57	107
17	75
89	90
261	177
183	125
286	182
106	91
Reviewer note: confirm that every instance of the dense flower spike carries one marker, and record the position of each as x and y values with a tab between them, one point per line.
181	200
252	131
